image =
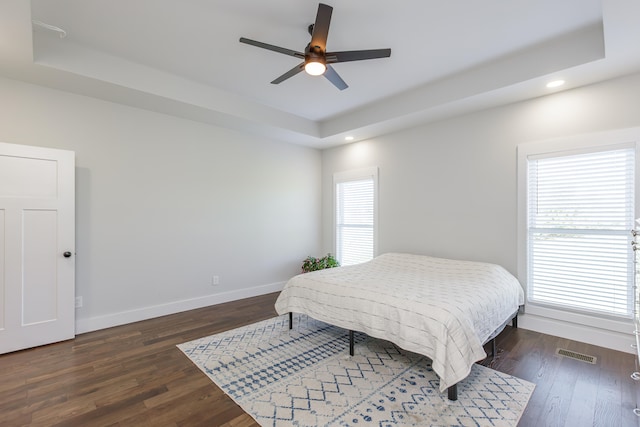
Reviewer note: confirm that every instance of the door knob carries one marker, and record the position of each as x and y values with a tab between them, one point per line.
67	254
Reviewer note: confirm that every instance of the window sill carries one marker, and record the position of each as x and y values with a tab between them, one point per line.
622	325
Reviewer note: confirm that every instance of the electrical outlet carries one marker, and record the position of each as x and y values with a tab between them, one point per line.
215	280
78	302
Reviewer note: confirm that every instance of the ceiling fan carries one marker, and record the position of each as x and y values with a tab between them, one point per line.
316	60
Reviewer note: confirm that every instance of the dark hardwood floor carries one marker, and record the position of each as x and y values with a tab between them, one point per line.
134	375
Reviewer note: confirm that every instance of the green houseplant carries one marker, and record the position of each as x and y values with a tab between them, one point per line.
313	264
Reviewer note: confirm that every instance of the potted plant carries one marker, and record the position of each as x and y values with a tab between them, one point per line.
313	264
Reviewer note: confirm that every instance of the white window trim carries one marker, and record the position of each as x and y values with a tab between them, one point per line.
354	175
584	143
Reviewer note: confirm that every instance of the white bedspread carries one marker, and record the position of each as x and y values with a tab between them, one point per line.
444	309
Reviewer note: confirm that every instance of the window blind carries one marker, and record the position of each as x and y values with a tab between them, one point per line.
355	221
581	209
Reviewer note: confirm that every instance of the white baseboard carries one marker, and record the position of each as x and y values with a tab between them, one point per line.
588	334
144	313
573	331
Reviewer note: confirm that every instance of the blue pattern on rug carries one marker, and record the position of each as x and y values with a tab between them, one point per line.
305	377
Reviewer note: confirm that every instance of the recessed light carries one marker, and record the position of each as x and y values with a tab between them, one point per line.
348	138
555	83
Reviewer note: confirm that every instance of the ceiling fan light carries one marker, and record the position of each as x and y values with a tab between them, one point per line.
315	68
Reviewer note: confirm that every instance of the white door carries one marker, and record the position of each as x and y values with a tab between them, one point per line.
37	241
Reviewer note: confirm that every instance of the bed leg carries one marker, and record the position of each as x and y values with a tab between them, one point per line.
290	320
514	322
453	392
350	343
493	348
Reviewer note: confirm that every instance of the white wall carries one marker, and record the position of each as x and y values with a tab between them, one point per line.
449	188
163	204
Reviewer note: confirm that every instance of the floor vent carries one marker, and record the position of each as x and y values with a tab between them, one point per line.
578	356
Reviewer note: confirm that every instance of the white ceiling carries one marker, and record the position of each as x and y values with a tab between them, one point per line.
182	57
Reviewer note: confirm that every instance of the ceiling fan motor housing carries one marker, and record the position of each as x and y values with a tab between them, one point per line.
314	54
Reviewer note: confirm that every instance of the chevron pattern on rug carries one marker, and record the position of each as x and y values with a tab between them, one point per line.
305	377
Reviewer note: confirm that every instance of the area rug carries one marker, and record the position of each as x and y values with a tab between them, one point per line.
305	377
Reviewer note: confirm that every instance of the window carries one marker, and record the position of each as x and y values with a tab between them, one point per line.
580	209
355	215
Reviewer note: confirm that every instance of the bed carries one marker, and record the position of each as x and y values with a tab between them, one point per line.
441	308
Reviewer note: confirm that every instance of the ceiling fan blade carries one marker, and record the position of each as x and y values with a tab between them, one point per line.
321	27
357	55
335	78
292	72
272	47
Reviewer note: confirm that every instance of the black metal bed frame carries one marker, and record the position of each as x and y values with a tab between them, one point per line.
452	391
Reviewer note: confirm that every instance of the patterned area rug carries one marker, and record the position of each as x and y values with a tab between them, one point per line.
305	377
